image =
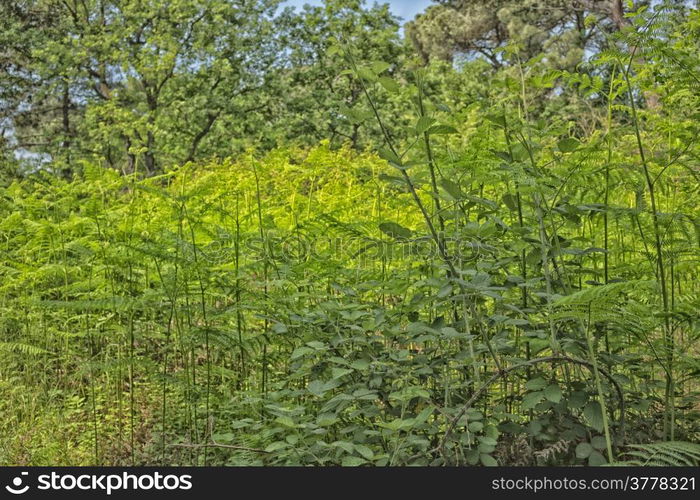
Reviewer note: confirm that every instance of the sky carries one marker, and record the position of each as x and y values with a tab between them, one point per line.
406	9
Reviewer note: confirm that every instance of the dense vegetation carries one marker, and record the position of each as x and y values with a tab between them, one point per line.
233	234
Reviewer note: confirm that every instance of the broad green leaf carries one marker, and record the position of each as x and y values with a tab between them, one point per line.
442	130
444	291
596	458
379	67
531	399
299	352
344	445
423	416
499	120
568	145
286	421
397	424
339	372
473	456
594	415
424	123
451	188
487	440
367	74
352	461
599	443
536	384
360	364
577	399
277	445
583	450
388	155
408	393
395	230
389	84
553	393
488	460
486	448
475	426
223	437
510	201
317	387
365	451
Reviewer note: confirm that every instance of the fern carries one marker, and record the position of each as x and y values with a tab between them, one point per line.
603	303
664	454
18	347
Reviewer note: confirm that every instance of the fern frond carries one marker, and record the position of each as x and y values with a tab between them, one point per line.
664	454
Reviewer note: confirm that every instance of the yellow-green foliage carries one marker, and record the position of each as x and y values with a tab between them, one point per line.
81	260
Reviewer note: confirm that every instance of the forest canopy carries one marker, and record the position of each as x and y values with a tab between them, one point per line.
235	232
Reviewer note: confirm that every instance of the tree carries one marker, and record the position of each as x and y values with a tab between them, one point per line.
563	29
318	99
139	83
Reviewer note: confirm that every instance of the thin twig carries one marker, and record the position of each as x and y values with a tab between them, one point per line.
214	444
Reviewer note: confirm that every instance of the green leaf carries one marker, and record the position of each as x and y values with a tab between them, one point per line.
299	352
510	201
352	461
553	393
599	443
408	393
475	426
577	399
339	372
389	84
279	328
596	458
583	450
365	451
594	415
286	421
379	67
472	456
355	115
499	120
367	74
442	130
347	446
535	384
568	145
397	424
488	460
395	230
424	123
277	445
451	188
389	156
422	417
531	399
487	440
486	448
223	437
317	387
360	364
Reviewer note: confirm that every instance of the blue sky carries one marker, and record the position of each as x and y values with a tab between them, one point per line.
406	9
